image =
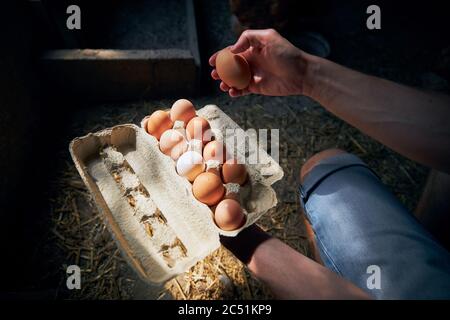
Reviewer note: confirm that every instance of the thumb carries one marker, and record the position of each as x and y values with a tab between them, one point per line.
248	38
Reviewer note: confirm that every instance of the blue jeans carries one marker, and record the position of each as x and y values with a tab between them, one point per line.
367	236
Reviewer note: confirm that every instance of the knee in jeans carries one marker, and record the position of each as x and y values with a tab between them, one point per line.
315	159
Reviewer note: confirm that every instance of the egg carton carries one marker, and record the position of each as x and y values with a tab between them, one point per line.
159	226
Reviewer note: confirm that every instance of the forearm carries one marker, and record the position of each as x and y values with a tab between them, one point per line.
289	274
412	122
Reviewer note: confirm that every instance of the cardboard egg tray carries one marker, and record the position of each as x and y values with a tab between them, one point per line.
161	229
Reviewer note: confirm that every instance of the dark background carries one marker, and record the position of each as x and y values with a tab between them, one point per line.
37	122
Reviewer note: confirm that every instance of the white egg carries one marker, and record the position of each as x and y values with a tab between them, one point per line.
190	165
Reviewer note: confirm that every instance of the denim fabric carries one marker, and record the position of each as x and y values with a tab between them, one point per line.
359	223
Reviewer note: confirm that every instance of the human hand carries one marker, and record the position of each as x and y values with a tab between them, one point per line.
277	66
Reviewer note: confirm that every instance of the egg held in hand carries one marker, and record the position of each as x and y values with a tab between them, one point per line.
229	215
173	144
182	110
159	122
233	69
190	164
208	188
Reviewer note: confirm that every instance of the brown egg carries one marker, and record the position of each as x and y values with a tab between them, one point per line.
198	128
229	215
182	110
208	188
233	172
173	144
233	69
214	150
159	122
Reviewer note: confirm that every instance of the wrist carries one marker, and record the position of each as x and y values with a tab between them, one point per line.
244	245
310	67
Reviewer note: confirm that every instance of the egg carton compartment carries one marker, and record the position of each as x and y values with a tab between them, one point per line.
161	229
256	195
139	200
155	221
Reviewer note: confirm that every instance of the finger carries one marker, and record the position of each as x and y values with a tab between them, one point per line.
243	43
215	75
248	54
212	59
245	92
234	93
248	38
224	87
